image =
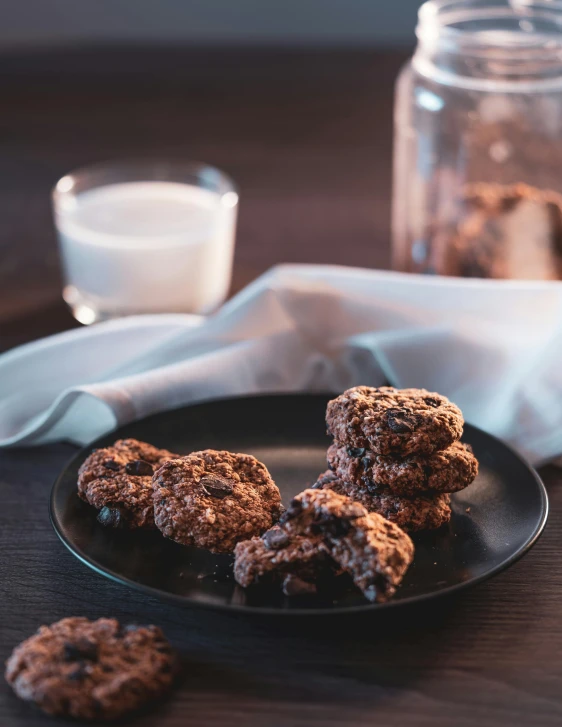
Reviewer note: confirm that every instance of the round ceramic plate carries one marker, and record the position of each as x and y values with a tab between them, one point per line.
495	520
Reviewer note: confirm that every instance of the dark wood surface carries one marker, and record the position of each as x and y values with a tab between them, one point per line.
308	138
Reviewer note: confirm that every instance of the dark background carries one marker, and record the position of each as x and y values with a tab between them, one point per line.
306	131
310	23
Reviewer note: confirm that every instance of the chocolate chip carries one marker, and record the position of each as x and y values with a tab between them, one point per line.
400	421
432	401
139	468
111	464
295	586
366	462
427	470
80	650
331	525
323	480
356	452
113	517
275	539
294	509
76	675
217	486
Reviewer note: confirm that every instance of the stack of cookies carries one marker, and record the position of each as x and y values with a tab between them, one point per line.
397	452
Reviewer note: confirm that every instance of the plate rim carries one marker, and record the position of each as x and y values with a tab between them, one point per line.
186	601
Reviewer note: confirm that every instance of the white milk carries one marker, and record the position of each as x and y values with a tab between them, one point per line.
147	247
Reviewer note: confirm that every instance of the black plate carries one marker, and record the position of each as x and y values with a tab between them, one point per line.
508	510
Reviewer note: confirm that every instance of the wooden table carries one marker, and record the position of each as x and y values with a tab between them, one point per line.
308	138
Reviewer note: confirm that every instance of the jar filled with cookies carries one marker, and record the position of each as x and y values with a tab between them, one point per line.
478	142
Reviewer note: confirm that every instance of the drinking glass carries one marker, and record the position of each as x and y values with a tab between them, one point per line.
145	237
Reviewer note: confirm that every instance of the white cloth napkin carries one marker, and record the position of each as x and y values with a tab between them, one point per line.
493	347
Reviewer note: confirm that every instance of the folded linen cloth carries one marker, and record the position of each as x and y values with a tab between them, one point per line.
493	347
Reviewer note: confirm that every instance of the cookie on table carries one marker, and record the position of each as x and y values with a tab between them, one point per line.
392	421
117	480
375	552
298	561
448	470
91	669
214	499
422	512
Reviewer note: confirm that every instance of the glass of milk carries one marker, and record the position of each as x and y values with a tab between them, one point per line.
145	237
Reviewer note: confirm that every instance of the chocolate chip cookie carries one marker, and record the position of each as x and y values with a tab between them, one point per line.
374	551
117	481
449	470
298	561
392	421
91	669
422	512
213	499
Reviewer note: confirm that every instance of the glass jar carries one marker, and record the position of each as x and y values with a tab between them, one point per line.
478	142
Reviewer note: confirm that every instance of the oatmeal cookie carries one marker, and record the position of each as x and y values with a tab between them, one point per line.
213	499
448	470
117	481
91	669
422	512
375	552
392	421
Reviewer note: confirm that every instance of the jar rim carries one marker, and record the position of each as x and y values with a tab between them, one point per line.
529	24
